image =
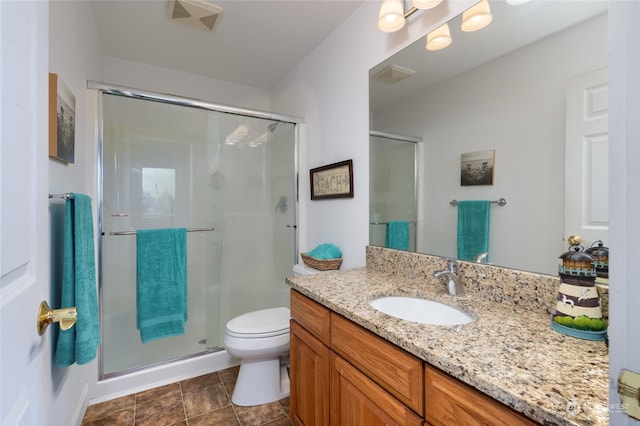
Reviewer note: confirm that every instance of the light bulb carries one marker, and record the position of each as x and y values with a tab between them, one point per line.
476	17
391	17
426	4
439	38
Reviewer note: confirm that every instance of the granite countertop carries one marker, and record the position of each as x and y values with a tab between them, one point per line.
508	352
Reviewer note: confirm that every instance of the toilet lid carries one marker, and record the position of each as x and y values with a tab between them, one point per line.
263	323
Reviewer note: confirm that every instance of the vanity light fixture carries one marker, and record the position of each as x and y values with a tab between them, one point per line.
426	4
516	2
391	17
476	17
439	38
260	140
238	135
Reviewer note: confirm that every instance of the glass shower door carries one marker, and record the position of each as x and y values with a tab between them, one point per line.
155	158
258	203
227	177
392	188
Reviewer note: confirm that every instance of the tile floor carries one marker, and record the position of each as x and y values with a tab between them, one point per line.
203	400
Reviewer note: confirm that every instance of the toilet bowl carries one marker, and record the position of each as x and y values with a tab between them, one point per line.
260	339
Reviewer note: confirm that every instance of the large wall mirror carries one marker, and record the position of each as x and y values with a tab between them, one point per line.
504	89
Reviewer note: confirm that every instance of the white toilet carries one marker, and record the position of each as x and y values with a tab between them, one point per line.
302	269
260	339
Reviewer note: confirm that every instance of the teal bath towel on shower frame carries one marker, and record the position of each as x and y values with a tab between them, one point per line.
473	228
79	343
397	236
161	282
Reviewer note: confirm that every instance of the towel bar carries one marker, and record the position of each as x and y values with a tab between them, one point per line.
65	196
386	223
500	202
134	232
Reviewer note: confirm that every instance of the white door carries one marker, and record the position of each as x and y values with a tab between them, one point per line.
587	157
624	69
24	259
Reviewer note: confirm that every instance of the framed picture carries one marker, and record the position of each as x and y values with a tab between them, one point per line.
62	121
332	181
477	168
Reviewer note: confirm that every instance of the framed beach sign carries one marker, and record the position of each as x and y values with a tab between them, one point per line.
62	121
332	181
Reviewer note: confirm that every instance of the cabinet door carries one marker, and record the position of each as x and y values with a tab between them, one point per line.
451	402
357	400
309	371
396	370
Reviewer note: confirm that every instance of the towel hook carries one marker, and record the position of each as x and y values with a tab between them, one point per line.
67	317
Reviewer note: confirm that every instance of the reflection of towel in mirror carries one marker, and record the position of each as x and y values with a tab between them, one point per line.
397	236
161	278
473	228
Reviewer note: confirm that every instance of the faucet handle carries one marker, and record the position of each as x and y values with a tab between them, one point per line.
452	265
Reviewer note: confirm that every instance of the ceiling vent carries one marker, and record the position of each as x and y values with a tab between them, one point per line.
393	73
197	13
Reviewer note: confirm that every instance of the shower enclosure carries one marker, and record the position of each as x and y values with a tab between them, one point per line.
393	177
229	178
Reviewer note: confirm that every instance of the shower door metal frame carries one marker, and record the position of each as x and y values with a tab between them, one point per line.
416	155
103	88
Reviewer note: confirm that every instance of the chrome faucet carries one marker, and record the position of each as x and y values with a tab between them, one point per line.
453	280
481	257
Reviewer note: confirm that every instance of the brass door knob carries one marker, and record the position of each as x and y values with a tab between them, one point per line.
67	317
574	240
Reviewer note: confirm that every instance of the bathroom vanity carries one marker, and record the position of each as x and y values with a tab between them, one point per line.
352	364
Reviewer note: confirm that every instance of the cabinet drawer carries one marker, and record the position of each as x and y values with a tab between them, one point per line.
451	402
397	371
311	315
356	400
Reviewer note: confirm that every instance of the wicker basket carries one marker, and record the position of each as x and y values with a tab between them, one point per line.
321	264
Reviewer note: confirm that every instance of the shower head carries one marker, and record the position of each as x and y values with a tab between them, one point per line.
273	126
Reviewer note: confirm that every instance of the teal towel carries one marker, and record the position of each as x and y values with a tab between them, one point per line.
325	251
79	343
161	290
397	236
473	228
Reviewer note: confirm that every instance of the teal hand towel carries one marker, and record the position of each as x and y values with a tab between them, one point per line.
325	251
161	282
473	228
79	343
397	236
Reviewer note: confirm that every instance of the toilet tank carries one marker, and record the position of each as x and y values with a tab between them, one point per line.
302	269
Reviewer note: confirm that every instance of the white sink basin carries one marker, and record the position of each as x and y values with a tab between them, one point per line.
420	310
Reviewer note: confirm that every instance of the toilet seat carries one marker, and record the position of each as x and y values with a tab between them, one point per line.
260	324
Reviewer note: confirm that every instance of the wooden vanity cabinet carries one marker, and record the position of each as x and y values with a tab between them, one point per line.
342	374
309	362
358	400
448	401
311	315
309	378
392	368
